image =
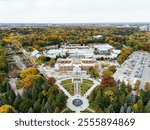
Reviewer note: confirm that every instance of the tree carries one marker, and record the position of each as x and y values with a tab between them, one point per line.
8	87
34	92
6	108
147	107
109	95
94	73
51	80
138	107
112	68
108	81
92	96
3	82
27	93
122	99
17	101
60	99
12	96
47	107
14	73
53	106
110	109
28	71
128	109
107	72
30	110
37	106
122	110
137	85
25	105
147	86
57	110
41	59
99	101
146	97
52	62
51	98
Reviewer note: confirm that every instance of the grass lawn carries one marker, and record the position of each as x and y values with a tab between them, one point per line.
85	86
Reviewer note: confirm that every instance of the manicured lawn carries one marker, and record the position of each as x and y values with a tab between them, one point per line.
85	86
67	84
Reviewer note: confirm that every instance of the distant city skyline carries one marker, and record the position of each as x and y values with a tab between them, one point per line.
74	11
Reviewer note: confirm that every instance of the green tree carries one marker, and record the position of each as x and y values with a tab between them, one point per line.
94	73
147	86
112	68
57	110
47	107
107	72
17	101
60	99
30	110
25	105
147	107
137	85
37	106
12	96
146	97
42	59
52	62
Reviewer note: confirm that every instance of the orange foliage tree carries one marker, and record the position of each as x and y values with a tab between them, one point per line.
51	80
108	81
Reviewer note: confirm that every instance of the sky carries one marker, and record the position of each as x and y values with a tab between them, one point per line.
74	11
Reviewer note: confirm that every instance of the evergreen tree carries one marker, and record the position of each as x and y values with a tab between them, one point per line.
99	100
34	92
47	107
146	97
140	106
51	98
25	105
147	107
128	109
92	96
53	106
37	106
27	93
12	96
17	101
122	100
8	87
30	110
110	109
57	110
60	99
122	110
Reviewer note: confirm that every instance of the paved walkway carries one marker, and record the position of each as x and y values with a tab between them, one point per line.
62	88
12	82
77	109
85	104
96	83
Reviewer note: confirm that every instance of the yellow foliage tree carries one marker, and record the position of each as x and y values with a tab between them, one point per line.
5	108
27	72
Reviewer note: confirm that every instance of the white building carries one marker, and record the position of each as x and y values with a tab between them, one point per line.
103	49
36	54
54	53
98	37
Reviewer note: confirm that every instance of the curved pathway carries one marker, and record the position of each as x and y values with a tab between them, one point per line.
85	104
58	83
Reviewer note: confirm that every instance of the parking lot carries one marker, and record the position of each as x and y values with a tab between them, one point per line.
136	67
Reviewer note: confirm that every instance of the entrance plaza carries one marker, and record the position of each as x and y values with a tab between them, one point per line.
74	87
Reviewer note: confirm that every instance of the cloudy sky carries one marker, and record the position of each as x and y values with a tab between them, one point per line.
74	11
